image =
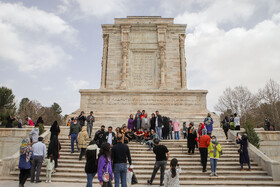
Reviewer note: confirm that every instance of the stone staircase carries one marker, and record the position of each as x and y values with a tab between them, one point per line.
70	169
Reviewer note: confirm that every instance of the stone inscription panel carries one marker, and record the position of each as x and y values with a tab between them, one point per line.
143	70
143	37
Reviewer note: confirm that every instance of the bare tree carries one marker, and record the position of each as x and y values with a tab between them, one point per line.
238	100
271	95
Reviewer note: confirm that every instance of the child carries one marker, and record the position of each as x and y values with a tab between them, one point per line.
49	168
185	130
171	178
170	131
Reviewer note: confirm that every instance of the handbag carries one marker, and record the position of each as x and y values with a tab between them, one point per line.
106	176
134	179
240	151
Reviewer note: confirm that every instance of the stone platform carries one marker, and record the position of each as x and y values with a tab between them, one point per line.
113	107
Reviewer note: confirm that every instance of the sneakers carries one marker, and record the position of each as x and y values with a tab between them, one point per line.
215	174
149	182
212	174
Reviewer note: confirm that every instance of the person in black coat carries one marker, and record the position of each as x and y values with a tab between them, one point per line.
91	162
55	130
165	130
153	121
243	153
53	149
82	118
192	135
10	121
226	126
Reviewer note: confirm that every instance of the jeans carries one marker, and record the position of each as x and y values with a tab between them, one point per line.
139	138
159	132
120	170
89	130
249	165
162	166
36	165
176	135
203	157
170	136
150	144
82	153
90	177
73	138
213	163
185	135
23	175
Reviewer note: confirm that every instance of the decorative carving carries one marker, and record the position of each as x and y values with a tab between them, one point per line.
104	60
183	61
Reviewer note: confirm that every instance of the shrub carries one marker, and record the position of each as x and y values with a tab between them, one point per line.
252	135
41	128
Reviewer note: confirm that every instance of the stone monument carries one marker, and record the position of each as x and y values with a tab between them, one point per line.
143	67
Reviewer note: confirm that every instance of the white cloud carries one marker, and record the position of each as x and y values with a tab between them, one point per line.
30	37
219	59
95	8
217	12
47	88
77	84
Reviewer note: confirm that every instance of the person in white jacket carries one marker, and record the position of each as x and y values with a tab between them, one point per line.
171	177
49	168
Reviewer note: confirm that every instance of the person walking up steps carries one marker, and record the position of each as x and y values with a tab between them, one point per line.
91	163
104	170
214	150
82	141
49	168
39	152
120	155
171	177
204	142
162	155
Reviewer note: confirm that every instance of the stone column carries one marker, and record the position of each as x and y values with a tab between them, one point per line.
183	61
125	44
104	60
161	29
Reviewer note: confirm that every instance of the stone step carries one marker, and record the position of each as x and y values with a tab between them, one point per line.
200	176
211	182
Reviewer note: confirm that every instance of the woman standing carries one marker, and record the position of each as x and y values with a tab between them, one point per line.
176	128
55	130
202	130
214	150
153	121
191	138
138	122
53	149
24	161
171	178
82	141
130	122
91	162
243	151
104	166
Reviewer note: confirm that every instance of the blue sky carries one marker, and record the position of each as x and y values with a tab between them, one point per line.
51	49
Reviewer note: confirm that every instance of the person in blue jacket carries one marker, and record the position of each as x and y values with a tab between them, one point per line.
24	161
208	122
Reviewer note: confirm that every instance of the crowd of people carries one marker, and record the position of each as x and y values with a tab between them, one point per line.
107	153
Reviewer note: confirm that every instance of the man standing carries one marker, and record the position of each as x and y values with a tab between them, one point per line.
34	134
236	122
204	142
82	118
162	155
39	152
159	124
208	121
90	120
99	136
119	153
75	128
110	136
267	124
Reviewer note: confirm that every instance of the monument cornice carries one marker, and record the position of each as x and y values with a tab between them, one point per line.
179	92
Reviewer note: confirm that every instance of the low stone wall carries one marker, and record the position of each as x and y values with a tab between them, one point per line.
271	166
10	142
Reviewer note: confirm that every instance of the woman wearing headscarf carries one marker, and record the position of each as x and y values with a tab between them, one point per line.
91	162
55	130
176	128
202	130
82	141
130	122
191	138
53	150
243	151
214	150
24	161
105	166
